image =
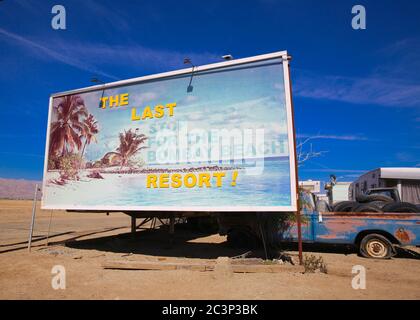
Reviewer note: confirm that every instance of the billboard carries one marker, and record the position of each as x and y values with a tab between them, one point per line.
211	138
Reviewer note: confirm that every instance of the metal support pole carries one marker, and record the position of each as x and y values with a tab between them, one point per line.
171	228
49	227
172	224
298	217
31	229
299	225
262	235
133	225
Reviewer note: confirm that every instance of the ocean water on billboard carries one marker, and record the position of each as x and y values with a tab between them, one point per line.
270	188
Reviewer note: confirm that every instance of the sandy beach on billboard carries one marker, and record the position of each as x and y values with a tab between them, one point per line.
110	187
111	183
116	186
53	176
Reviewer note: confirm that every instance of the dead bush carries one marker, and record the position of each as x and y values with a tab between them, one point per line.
313	264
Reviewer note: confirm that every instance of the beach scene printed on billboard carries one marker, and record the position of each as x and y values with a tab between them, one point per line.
214	139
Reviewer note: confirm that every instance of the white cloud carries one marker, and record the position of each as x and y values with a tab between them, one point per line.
189	99
40	49
117	19
334	170
132	55
405	157
277	130
376	89
197	115
333	137
140	99
96	57
394	82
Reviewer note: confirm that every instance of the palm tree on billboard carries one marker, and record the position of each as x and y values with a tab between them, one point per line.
130	144
89	131
68	128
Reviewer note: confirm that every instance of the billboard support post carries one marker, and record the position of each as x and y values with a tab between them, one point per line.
299	227
298	208
171	228
31	229
133	225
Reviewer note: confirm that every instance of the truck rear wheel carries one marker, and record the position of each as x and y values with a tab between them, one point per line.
376	246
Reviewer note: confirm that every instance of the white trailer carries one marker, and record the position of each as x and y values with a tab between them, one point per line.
405	180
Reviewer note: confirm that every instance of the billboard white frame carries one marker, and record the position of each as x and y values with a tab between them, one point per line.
290	134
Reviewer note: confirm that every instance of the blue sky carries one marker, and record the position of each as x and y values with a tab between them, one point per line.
357	92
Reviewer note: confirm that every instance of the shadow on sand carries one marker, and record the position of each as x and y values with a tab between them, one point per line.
186	243
157	242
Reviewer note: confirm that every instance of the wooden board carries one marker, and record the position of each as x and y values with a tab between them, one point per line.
152	265
158	265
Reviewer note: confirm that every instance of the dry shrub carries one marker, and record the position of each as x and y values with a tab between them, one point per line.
312	264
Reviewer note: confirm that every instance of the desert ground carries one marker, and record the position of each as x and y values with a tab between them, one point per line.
82	242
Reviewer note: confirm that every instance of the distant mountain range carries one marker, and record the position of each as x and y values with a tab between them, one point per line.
18	189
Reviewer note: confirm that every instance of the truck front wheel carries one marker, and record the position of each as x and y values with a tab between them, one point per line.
376	246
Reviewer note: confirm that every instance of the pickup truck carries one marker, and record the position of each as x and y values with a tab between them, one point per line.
374	234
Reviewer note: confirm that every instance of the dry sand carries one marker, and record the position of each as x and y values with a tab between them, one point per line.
82	241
